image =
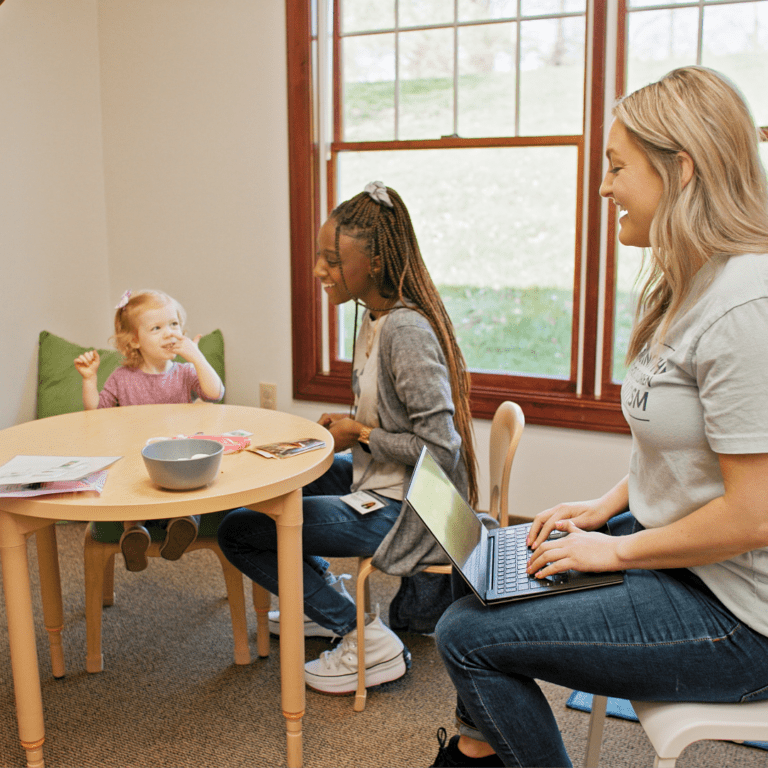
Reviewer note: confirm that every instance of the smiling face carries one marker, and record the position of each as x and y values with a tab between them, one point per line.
633	185
347	275
157	331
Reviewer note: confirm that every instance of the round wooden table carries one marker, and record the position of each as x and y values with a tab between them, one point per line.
272	486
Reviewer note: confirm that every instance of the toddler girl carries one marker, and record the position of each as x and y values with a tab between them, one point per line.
149	331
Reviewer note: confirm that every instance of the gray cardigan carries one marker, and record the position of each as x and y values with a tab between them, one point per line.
415	409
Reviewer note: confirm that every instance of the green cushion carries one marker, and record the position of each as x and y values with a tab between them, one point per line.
60	386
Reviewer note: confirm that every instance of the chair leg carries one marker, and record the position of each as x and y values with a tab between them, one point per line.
367	594
364	570
664	762
595	732
233	579
108	596
261	604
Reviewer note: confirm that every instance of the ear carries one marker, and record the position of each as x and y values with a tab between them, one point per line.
686	168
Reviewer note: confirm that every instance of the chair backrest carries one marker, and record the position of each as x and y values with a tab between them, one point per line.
506	431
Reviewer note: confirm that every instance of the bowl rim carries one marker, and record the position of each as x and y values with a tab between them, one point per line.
219	446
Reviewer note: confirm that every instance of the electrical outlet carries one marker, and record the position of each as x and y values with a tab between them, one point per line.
268	395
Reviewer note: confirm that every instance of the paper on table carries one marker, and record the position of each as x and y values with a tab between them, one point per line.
93	482
283	450
26	470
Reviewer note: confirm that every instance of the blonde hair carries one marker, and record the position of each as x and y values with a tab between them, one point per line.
126	322
388	238
721	212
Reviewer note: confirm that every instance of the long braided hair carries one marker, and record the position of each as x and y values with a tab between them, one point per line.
398	271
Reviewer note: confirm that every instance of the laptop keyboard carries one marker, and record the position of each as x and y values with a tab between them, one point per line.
512	561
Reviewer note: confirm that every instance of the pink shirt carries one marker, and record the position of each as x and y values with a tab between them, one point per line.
131	386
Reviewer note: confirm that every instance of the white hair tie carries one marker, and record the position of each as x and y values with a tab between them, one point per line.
378	191
123	300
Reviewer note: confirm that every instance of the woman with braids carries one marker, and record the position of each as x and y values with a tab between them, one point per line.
690	519
411	388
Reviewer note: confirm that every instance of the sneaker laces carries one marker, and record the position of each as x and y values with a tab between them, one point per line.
333	657
442	737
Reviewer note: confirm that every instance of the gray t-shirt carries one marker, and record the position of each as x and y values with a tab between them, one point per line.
705	392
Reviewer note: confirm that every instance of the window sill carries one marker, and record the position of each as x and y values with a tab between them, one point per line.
547	408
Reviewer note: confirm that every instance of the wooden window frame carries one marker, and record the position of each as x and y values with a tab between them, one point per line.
546	401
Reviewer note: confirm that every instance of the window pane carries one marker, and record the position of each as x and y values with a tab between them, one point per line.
628	262
736	44
547	7
474	10
552	77
426	84
498	240
659	41
487	80
414	13
653	3
363	15
369	88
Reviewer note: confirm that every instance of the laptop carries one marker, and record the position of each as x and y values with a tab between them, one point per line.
493	562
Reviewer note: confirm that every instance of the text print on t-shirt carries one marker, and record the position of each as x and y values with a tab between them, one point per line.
637	383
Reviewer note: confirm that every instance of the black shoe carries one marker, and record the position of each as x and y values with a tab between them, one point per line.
451	757
134	544
179	534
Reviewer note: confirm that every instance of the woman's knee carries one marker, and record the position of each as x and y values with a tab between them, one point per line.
454	630
240	526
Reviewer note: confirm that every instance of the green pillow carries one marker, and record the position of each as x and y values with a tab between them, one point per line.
60	386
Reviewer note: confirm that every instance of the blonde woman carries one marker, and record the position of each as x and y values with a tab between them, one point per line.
690	520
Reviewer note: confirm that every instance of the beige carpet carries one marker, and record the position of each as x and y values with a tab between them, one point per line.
171	695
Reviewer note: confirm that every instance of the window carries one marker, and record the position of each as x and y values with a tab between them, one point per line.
731	37
488	116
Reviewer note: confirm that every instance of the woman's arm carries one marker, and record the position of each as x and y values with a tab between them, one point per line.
414	394
345	431
729	525
586	515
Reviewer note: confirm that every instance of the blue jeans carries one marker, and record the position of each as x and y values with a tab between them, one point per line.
659	636
331	528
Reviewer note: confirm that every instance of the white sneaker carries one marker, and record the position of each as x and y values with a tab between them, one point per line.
312	628
336	671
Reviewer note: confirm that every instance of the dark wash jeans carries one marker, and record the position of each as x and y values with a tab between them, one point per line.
659	636
331	528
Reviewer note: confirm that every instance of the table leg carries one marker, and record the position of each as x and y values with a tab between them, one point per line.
287	513
21	639
50	591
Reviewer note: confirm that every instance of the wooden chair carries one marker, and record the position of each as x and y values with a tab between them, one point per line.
506	431
672	726
100	580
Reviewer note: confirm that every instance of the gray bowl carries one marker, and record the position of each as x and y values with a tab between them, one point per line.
170	463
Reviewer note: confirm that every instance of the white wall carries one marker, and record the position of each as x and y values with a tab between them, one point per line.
53	247
196	153
188	100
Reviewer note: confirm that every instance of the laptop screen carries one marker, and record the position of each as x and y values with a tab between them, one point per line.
439	504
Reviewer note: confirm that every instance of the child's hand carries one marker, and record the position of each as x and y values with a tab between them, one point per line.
88	364
187	347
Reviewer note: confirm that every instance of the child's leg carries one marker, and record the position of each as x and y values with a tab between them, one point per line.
134	544
179	534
